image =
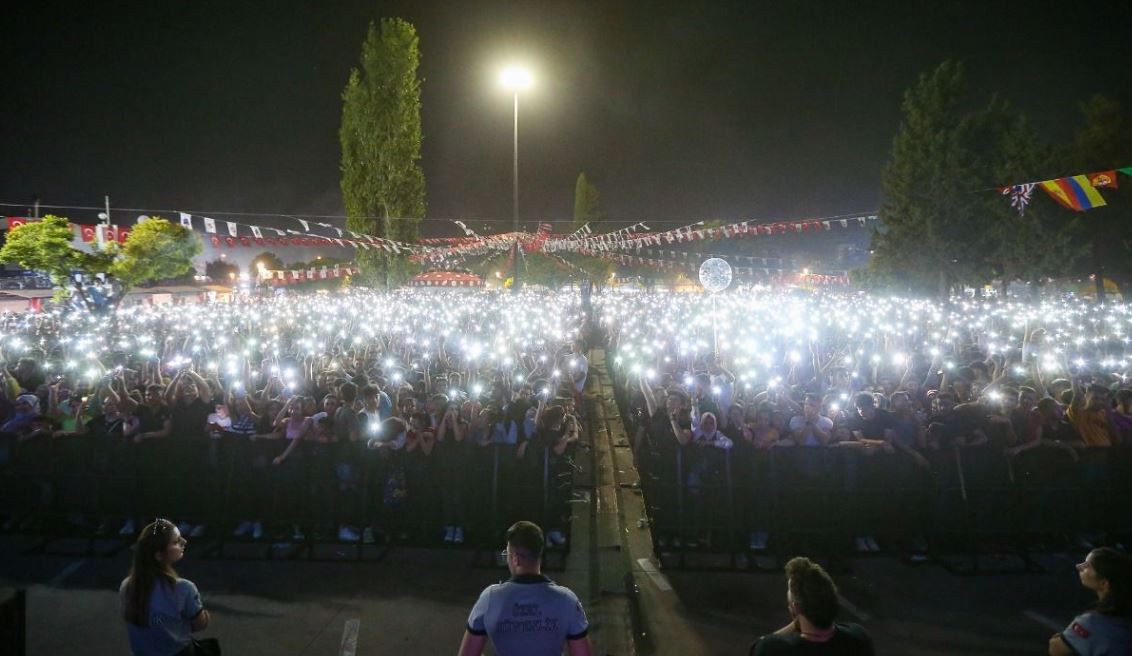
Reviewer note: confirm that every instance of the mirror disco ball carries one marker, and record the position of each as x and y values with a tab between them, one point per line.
715	274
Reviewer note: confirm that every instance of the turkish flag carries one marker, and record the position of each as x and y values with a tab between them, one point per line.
16	221
109	233
245	241
216	241
259	241
123	235
87	233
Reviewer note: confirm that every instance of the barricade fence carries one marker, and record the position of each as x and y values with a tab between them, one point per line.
92	488
961	502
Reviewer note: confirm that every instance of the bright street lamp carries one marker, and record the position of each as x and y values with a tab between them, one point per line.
516	79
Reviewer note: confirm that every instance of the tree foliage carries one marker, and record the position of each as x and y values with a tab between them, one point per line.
45	246
269	260
155	250
541	269
1045	241
943	222
930	223
1104	141
220	270
587	207
383	185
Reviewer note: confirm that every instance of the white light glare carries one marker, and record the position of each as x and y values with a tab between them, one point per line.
516	78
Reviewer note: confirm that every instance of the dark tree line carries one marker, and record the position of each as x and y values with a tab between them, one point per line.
943	222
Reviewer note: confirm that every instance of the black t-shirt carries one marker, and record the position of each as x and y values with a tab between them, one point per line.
660	430
847	640
189	419
873	429
151	419
102	426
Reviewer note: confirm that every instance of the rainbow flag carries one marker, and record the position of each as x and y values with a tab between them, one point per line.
1074	192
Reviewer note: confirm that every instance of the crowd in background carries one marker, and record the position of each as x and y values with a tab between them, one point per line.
432	415
353	417
874	392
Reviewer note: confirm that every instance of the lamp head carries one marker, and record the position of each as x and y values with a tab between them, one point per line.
516	78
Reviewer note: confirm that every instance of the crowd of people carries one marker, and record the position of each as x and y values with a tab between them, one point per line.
448	416
877	403
356	417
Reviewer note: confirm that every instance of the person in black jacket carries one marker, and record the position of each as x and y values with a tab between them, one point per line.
812	599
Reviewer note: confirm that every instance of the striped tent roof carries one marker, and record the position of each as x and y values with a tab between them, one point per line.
446	279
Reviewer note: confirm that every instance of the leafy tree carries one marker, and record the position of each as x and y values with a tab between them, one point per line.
541	269
1045	241
586	204
221	270
1104	141
155	250
269	260
597	269
932	228
45	246
383	185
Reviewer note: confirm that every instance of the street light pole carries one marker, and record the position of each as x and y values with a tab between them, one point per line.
515	169
516	79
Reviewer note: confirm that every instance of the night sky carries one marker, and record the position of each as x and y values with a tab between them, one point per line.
676	111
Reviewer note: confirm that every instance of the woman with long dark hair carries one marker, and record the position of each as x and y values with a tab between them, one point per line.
160	608
1106	628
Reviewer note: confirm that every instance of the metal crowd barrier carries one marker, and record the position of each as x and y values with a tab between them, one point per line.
972	509
968	504
60	490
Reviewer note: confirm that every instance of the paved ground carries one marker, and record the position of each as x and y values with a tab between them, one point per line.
412	602
919	610
415	602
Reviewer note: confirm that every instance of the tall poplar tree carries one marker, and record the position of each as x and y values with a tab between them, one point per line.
383	185
586	203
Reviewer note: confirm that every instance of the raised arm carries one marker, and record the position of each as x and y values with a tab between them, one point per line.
203	390
650	396
173	389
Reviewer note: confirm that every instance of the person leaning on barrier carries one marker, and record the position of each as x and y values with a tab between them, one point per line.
1106	628
528	615
812	600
